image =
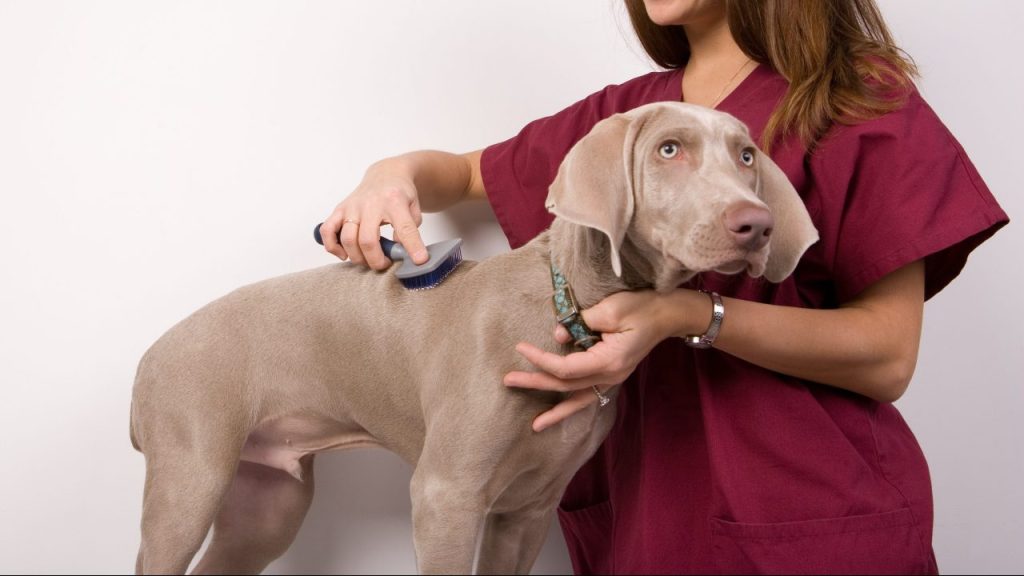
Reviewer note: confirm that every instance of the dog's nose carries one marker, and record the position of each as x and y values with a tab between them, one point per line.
749	225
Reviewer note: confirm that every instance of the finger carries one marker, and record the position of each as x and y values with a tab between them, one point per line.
369	242
562	335
571	367
329	234
415	211
600	319
574	403
408	234
350	240
545	381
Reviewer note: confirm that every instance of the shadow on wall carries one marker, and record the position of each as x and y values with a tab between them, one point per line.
475	223
360	521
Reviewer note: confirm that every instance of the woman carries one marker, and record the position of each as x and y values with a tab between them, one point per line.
777	450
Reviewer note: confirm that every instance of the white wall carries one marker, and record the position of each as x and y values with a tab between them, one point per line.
153	156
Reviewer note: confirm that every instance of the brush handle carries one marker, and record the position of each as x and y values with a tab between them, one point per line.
393	250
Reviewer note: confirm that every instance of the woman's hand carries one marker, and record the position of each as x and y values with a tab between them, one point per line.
387	195
397	191
630	323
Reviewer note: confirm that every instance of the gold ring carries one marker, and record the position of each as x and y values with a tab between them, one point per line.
350	221
601	398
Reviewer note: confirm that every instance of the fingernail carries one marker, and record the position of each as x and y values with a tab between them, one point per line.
421	255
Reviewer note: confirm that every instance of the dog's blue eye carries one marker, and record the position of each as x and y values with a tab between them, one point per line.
747	157
669	150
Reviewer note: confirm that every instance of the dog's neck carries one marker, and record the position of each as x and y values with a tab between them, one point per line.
583	255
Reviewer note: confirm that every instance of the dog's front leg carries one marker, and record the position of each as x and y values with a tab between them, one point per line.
512	540
446	518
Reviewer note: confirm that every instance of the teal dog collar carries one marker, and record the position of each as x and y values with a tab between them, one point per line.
568	313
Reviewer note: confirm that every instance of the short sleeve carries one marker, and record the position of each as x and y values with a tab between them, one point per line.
895	190
517	172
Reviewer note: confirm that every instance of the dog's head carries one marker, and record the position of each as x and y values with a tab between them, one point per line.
686	188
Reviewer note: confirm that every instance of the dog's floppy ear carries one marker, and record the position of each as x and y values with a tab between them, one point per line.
594	186
794	232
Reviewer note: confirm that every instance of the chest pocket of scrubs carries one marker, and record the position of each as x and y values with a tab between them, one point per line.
886	543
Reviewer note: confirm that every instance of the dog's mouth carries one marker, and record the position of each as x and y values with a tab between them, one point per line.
723	260
733	267
753	263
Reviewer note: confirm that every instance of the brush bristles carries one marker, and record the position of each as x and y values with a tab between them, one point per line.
432	279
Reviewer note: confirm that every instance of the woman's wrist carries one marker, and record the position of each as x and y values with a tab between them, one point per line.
393	167
440	179
688	311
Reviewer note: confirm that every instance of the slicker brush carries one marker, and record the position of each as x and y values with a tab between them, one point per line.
444	258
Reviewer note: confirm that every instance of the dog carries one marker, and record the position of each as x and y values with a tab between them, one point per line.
231	405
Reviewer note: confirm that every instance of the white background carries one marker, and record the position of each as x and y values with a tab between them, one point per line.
154	156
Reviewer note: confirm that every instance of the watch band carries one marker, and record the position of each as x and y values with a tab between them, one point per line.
707	339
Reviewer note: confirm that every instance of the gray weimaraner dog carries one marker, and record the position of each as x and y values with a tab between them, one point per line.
231	405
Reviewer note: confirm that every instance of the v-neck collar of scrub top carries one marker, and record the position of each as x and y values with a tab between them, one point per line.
745	88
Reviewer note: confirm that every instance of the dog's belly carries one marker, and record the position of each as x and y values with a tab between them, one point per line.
281	442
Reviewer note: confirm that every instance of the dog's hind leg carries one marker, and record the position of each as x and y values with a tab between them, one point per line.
182	495
512	540
259	519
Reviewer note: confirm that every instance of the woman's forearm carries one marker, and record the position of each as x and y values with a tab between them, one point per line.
442	179
868	346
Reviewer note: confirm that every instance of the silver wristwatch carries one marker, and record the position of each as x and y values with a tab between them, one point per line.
707	339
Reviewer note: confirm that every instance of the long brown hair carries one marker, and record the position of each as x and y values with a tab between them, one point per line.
838	56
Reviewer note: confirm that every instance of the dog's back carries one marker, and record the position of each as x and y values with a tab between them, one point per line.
345	344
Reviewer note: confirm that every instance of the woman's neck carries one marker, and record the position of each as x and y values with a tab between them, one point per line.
712	44
716	65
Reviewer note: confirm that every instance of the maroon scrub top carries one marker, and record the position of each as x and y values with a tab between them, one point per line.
715	464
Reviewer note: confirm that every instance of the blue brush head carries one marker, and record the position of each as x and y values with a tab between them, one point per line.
430	279
445	257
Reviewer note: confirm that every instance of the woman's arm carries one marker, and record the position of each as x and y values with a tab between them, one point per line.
869	345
